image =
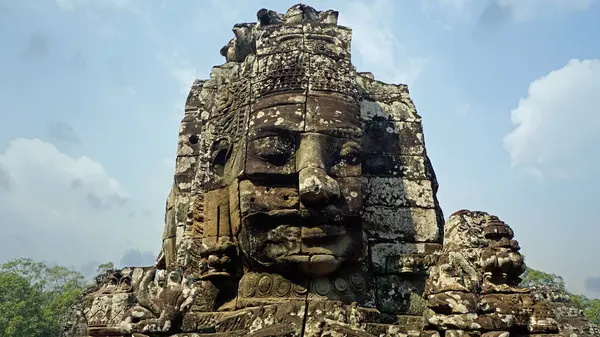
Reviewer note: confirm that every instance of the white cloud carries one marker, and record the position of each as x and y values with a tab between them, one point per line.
558	122
60	207
524	10
377	47
5	179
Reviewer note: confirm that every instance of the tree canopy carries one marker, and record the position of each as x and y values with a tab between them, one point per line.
35	297
533	277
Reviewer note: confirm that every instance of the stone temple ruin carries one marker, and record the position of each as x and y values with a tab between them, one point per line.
304	204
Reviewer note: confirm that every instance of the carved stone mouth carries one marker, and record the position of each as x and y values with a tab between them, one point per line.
315	265
323	231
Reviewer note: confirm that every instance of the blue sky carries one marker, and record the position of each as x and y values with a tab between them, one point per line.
92	93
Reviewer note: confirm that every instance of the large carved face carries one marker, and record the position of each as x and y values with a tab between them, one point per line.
299	193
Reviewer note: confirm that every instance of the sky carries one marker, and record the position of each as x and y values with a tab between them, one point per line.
93	91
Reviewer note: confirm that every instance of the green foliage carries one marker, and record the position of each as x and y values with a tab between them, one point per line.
590	307
35	298
533	277
104	267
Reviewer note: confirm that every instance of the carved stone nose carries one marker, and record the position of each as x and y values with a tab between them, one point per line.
317	187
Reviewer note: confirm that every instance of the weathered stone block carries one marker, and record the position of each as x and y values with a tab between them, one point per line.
462	333
185	170
429	333
216	212
279	38
470	321
280	72
496	334
280	99
199	322
371	89
289	117
409	167
405	224
452	322
505	303
263	198
453	302
401	111
219	76
380	252
283	319
331	75
398	295
351	195
398	192
188	143
329	318
235	213
332	114
187	146
192	101
170	224
391	137
409	265
326	39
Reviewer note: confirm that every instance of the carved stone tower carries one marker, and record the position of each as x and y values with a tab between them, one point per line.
304	204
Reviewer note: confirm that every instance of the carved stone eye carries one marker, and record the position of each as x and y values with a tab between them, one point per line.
274	149
351	153
220	155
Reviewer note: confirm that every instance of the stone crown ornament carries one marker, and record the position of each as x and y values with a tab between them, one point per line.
304	204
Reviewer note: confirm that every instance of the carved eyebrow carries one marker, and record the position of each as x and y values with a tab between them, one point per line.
343	132
274	130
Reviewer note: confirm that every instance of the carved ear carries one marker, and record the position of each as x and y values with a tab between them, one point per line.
224	49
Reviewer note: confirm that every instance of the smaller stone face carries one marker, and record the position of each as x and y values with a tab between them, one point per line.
473	287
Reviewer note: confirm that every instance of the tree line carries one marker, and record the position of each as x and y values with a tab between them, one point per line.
35	298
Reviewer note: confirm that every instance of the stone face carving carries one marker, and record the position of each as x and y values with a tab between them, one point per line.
304	204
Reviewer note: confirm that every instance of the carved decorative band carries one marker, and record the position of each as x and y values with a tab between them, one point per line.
264	285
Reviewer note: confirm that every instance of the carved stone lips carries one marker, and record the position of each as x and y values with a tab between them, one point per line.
323	231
